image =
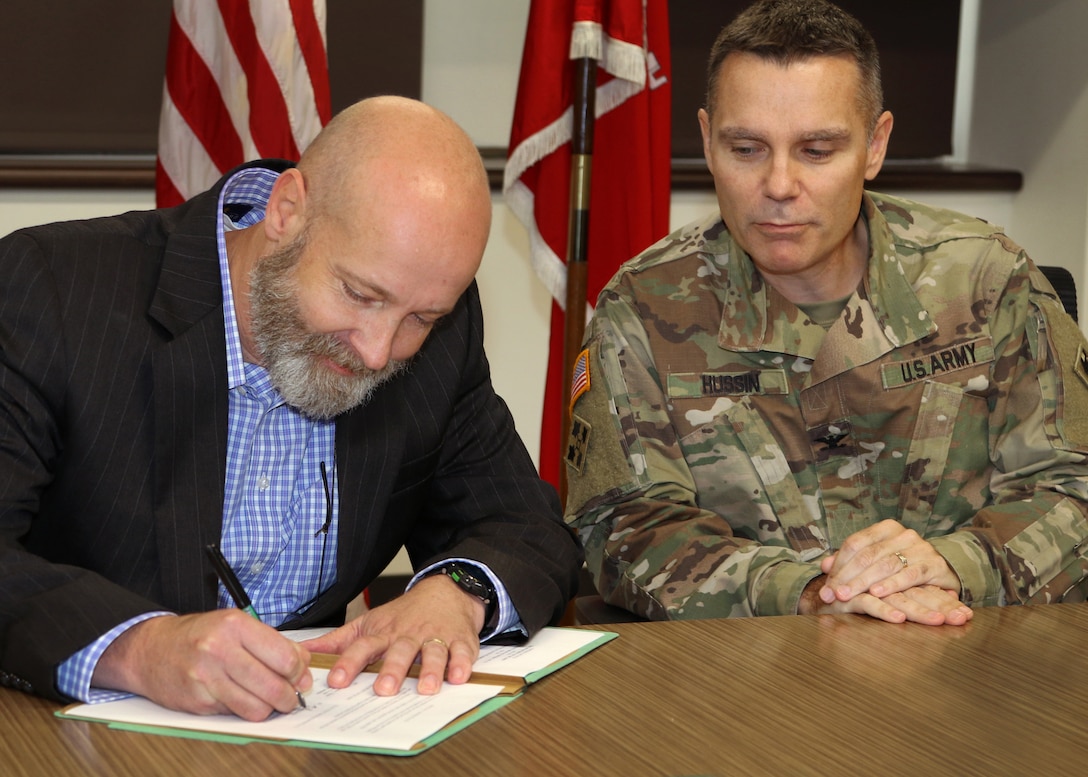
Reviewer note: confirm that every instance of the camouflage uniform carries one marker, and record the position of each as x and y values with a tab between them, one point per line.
722	442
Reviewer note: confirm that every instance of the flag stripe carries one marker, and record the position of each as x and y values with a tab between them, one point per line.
312	42
195	95
165	190
269	125
183	157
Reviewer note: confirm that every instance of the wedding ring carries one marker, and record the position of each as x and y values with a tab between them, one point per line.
901	557
435	640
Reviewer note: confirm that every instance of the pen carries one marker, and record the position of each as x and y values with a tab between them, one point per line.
237	593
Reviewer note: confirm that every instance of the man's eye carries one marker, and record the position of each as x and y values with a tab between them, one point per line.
818	154
353	295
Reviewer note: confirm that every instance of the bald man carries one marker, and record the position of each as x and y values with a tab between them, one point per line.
289	366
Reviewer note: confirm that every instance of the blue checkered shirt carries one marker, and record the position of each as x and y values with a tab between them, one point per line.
275	508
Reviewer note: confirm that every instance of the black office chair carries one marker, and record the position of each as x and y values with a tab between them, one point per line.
591	608
1062	281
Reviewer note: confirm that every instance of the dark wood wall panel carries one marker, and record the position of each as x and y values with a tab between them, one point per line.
918	40
83	77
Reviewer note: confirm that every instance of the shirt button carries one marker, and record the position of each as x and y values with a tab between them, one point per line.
263	482
256	568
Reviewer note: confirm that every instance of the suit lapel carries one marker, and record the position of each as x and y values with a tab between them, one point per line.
190	407
369	449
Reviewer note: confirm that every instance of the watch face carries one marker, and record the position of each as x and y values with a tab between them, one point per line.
470	582
463	577
474	582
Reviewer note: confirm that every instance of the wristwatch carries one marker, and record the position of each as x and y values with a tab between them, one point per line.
472	580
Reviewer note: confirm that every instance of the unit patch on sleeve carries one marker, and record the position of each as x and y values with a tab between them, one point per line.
1080	367
578	442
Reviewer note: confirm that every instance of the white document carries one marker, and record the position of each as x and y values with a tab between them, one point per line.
548	646
352	716
355	717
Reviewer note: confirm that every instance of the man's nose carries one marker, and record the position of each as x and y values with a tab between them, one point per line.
781	180
374	345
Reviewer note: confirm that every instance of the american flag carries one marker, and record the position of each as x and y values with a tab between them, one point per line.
579	380
244	80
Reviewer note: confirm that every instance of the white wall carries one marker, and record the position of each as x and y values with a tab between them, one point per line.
27	207
471	58
1030	112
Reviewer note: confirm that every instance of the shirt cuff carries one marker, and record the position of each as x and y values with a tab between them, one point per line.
75	673
508	620
980	582
779	589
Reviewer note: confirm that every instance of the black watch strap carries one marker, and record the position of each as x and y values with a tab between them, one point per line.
472	580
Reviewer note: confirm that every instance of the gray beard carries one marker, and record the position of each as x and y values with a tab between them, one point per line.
294	356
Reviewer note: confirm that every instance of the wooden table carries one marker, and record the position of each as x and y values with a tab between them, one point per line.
836	695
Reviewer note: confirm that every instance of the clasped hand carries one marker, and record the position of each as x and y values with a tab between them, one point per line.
890	572
228	662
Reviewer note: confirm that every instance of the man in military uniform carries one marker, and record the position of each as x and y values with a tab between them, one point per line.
822	399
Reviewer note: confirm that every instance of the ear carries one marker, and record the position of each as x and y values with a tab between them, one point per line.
704	127
878	146
285	214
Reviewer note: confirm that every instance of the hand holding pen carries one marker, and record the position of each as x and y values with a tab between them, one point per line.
208	663
237	592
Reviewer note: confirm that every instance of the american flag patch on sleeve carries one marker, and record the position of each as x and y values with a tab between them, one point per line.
579	379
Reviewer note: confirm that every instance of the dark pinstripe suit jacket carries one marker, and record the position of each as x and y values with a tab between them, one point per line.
113	439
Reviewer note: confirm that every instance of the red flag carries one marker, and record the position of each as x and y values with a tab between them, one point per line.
629	198
244	80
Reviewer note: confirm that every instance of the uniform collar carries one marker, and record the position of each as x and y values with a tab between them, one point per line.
755	317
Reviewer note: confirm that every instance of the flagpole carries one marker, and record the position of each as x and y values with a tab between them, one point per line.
581	164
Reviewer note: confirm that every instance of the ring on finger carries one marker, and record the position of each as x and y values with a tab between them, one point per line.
436	641
902	558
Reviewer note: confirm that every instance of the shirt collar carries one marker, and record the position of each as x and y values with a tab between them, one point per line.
766	321
242	204
900	313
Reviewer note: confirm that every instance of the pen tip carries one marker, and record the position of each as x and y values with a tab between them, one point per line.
301	701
